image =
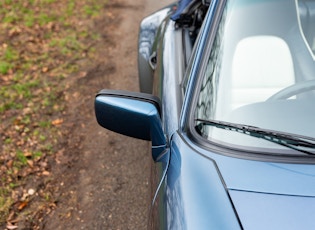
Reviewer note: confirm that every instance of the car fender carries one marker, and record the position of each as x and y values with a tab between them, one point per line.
148	33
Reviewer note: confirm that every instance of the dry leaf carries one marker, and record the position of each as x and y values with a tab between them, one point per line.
10	226
10	163
30	163
45	173
57	122
44	69
27	154
11	216
22	205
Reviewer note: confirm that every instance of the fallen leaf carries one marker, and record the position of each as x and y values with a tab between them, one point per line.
10	226
10	163
44	69
22	205
30	163
68	215
45	173
27	154
57	122
11	216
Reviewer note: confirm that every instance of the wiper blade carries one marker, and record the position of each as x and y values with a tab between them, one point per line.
289	140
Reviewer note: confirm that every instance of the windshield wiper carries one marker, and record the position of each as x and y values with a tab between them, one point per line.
293	141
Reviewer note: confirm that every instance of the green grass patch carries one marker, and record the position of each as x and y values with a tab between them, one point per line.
44	19
5	203
10	54
49	1
21	159
70	8
37	154
7	141
42	42
4	67
29	19
44	124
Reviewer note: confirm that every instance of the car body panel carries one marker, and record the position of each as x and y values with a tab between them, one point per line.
193	195
266	176
274	195
167	77
261	211
148	32
166	85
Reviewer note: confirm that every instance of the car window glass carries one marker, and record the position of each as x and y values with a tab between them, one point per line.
260	71
191	35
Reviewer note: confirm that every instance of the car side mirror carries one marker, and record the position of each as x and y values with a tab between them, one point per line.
133	114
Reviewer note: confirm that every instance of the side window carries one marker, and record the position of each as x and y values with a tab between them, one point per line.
191	22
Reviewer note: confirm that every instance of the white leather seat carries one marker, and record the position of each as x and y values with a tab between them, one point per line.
261	66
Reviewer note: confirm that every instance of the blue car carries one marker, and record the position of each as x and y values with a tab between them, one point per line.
227	100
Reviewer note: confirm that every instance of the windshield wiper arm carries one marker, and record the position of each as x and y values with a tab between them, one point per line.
289	140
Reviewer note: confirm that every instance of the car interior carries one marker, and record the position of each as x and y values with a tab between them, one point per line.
267	69
270	54
271	62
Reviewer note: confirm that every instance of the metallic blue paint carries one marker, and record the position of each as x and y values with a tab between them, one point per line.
266	195
149	28
265	176
131	117
195	194
172	72
261	211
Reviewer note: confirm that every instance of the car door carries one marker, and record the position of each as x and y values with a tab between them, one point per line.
172	51
168	73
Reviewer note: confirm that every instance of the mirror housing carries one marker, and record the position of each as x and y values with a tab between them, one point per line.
133	114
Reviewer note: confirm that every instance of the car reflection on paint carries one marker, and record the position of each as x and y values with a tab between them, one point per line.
227	101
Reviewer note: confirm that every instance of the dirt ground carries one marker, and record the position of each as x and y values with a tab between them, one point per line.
102	177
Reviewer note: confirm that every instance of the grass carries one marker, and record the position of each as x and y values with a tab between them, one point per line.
20	158
4	67
5	203
40	44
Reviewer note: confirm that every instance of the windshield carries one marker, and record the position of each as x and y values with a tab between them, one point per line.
261	72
